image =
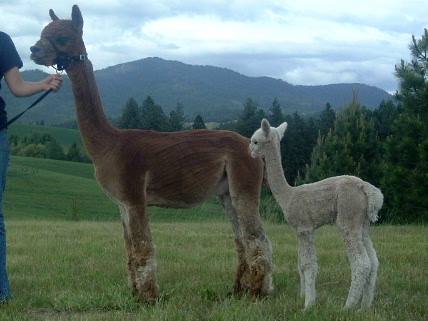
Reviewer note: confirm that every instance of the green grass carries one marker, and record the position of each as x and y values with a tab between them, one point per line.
62	269
76	271
48	189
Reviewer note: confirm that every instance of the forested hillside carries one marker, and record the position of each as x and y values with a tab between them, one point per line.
217	94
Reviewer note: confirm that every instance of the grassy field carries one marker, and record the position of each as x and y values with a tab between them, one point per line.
67	260
76	271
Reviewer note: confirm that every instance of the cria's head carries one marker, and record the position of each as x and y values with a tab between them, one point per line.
266	137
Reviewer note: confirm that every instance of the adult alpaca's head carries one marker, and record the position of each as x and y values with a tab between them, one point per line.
60	39
264	137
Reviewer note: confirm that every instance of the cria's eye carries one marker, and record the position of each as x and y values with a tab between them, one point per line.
255	143
62	41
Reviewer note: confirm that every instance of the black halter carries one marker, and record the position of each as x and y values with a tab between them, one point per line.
63	59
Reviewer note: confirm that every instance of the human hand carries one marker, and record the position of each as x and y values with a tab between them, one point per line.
53	82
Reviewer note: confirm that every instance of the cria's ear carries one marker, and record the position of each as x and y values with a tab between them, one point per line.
281	129
76	17
265	127
53	16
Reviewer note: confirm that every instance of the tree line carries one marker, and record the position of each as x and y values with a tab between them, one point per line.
150	116
44	145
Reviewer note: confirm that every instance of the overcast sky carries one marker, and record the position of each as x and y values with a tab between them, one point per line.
304	42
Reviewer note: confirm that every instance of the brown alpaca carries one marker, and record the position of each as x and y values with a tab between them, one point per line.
138	168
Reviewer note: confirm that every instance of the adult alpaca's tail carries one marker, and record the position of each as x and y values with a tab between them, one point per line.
374	201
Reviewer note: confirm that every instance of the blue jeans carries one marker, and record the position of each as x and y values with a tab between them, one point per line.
5	292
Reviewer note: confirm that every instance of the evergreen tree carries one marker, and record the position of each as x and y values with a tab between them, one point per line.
74	154
405	183
250	119
198	123
152	116
176	119
385	115
297	145
54	150
351	147
275	115
130	115
326	120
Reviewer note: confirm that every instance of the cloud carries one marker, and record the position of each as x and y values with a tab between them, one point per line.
300	41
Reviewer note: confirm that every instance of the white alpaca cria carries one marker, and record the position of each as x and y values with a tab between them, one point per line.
348	200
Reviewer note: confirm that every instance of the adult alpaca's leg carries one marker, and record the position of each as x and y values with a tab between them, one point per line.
257	246
360	266
244	188
308	266
370	285
128	245
143	254
131	263
242	281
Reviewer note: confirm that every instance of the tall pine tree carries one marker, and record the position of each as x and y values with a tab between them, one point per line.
176	119
326	120
297	145
130	115
152	116
198	123
275	115
351	147
250	118
405	183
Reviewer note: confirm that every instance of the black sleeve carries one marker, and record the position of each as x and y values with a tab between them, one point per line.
9	57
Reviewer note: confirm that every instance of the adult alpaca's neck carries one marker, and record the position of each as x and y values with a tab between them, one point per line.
278	184
96	130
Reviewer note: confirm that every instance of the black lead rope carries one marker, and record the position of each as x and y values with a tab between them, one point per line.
22	113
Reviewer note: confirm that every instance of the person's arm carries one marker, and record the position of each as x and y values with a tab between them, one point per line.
21	88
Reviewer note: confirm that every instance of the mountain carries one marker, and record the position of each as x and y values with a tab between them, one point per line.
217	94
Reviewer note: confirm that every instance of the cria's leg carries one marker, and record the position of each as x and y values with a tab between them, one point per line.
143	254
242	282
369	288
308	266
302	277
360	266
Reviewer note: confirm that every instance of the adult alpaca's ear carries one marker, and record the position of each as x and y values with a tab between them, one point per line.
265	127
281	129
53	16
76	17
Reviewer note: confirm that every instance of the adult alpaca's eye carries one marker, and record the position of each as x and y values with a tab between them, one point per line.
62	41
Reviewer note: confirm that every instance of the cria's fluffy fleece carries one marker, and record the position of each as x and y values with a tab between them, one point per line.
349	201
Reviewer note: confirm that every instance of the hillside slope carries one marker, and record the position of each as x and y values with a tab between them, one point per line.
216	93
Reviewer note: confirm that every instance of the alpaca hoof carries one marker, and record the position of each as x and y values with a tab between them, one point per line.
148	299
239	291
133	289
